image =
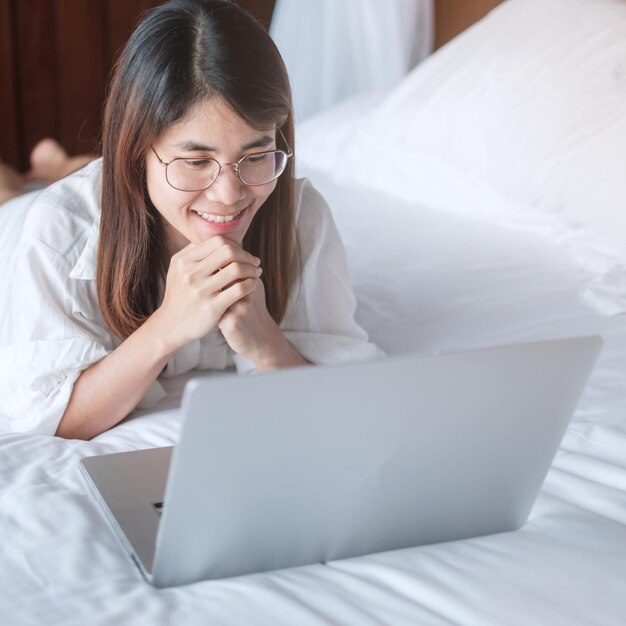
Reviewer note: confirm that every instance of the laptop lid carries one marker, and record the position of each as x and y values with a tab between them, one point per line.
130	487
319	463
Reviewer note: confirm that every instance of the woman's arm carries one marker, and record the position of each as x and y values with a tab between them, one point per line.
251	332
203	281
108	391
320	317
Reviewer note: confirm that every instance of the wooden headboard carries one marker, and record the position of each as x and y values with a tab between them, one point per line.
55	59
454	16
56	56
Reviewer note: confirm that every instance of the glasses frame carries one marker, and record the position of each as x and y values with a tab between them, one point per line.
235	165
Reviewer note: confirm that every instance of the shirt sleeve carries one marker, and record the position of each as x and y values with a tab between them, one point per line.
319	320
49	334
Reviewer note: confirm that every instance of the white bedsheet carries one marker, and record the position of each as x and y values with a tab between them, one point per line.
427	281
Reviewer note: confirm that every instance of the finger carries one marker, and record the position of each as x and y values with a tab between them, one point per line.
227	297
199	251
232	273
225	256
207	248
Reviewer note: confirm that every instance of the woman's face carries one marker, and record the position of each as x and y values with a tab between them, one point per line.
210	129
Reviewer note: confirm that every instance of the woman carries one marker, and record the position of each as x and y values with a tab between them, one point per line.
189	245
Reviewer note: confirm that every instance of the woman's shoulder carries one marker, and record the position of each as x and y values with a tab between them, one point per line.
306	195
312	210
65	213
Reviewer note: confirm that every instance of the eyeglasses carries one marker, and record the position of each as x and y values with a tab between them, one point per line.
259	168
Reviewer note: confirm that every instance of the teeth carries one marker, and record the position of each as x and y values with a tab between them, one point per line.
218	219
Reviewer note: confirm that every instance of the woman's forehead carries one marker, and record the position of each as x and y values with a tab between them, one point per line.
213	123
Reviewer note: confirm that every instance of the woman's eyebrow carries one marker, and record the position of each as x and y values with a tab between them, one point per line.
192	146
261	142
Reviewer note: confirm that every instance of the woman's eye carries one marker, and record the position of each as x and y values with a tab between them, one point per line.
257	158
197	163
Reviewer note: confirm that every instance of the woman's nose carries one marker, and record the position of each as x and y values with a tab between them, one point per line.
227	187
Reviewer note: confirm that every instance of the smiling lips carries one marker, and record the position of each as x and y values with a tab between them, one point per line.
218	219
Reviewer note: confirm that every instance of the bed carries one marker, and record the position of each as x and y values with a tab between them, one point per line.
481	202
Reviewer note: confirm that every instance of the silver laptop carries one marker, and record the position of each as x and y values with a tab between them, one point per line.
312	464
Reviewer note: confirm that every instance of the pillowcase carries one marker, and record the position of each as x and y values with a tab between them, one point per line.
530	101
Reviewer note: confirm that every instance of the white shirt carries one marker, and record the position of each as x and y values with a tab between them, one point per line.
52	328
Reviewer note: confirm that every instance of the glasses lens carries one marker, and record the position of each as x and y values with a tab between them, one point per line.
192	174
258	169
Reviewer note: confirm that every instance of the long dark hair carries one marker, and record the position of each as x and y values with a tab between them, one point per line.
182	52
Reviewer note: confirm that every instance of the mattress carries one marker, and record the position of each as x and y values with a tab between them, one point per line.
427	282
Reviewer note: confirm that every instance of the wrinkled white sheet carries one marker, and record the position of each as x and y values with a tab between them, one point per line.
426	281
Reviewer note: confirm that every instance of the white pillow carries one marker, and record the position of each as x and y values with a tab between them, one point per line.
530	101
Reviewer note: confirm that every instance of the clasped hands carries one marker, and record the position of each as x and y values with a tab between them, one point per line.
217	284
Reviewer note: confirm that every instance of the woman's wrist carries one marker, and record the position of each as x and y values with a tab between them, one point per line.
278	353
162	339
